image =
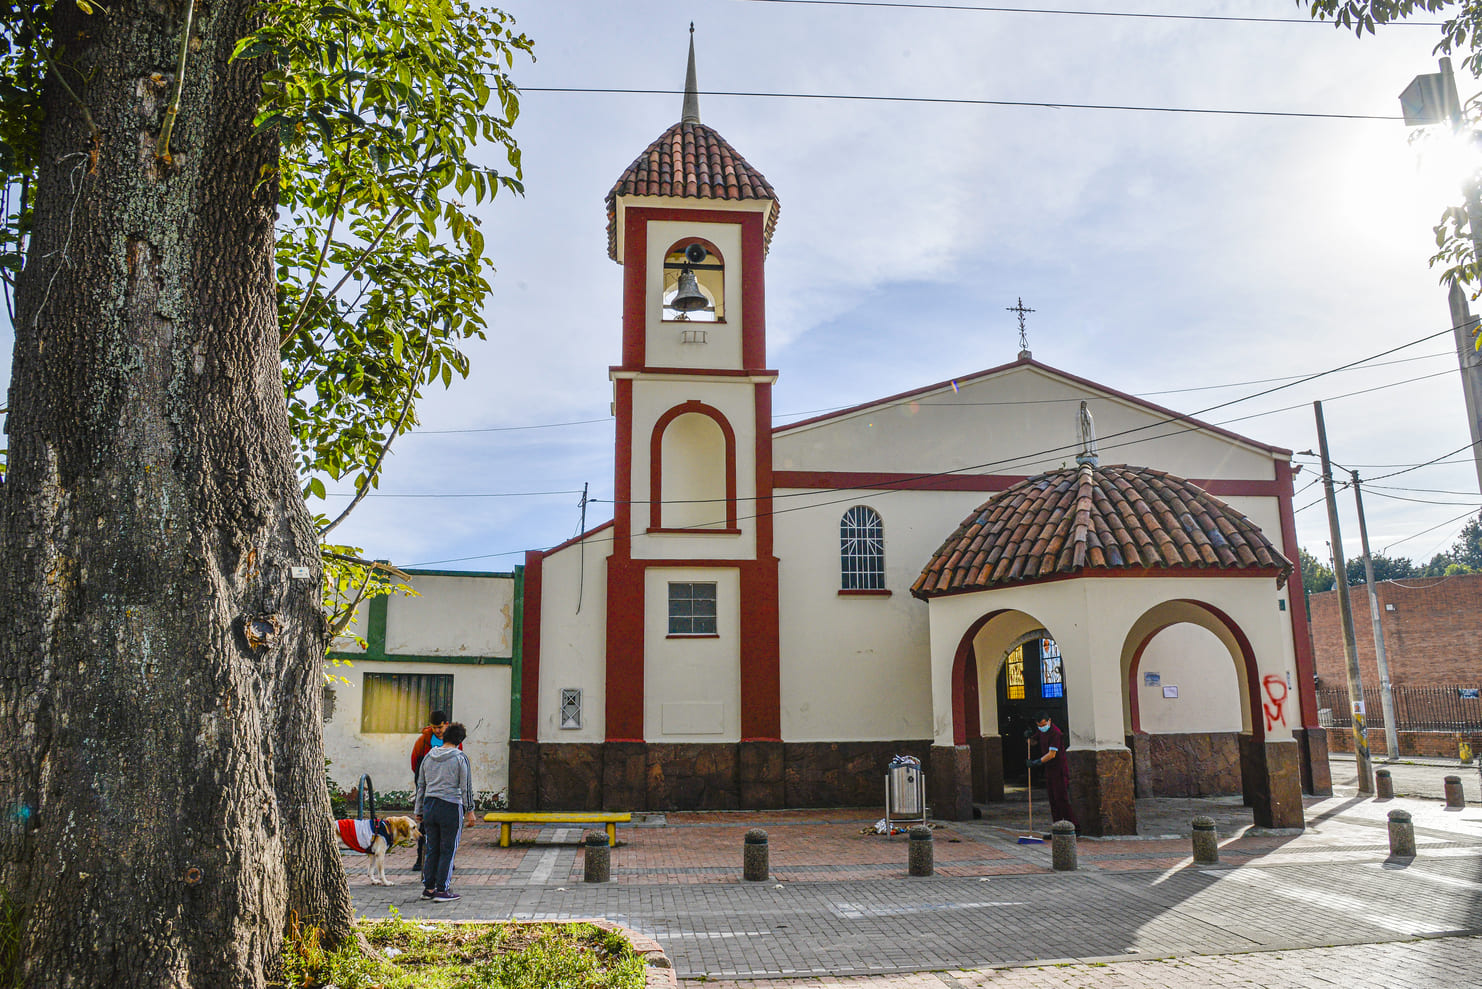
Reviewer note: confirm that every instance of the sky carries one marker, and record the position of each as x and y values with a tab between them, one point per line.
1184	257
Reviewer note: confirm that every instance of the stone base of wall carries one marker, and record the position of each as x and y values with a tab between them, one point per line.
1431	744
1273	782
1312	751
949	782
657	776
1101	791
1205	764
987	756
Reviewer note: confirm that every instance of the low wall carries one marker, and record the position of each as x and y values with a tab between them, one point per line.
1431	744
1193	764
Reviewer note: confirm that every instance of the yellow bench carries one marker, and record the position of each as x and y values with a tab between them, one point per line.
505	818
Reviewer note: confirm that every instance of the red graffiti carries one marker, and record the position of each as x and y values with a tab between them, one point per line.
1274	713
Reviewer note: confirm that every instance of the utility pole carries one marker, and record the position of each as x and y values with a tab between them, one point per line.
1386	695
1350	646
1428	100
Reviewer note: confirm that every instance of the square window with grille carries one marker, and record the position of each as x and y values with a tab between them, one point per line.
692	609
861	550
570	707
402	702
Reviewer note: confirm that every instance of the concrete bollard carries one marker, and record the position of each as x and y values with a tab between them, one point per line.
756	864
1206	841
1455	799
1384	785
1401	834
596	860
1062	846
920	852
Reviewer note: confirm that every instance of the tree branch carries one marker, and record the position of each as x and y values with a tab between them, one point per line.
162	149
406	409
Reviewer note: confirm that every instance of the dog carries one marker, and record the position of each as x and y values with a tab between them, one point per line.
375	838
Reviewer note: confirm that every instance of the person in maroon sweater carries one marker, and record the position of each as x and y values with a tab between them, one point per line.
1050	753
420	748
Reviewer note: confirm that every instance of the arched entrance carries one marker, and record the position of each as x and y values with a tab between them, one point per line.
1031	678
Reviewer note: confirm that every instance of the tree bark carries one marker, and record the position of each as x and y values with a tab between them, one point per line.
160	674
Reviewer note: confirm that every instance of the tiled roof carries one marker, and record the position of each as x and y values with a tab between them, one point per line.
693	161
1088	518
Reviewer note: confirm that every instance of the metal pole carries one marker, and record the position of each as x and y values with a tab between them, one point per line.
1386	695
1350	648
1461	317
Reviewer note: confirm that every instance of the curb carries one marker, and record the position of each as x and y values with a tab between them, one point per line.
660	969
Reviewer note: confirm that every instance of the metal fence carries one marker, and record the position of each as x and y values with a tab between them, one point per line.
1416	708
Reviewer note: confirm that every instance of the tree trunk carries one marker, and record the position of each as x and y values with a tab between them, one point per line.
159	666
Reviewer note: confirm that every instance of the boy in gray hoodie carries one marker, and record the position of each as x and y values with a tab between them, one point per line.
444	794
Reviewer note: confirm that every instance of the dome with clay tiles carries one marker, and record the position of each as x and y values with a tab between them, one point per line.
1090	521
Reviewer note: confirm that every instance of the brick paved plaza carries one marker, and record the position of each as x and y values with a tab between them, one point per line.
1322	907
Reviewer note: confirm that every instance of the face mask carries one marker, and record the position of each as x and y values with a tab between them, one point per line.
1043	727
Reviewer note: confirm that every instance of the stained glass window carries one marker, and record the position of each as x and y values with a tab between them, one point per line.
1013	669
1051	672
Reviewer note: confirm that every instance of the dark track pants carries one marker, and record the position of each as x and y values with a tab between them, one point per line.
442	824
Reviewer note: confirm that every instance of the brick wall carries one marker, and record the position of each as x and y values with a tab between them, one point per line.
1433	637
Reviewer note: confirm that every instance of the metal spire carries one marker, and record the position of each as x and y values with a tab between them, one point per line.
1022	310
691	114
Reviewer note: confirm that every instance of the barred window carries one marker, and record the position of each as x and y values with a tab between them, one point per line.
401	702
861	550
570	707
691	609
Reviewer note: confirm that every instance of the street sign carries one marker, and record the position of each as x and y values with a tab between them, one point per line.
1424	101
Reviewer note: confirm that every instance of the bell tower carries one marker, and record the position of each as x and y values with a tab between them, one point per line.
692	612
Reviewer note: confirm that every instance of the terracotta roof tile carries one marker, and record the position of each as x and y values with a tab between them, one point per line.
1096	518
690	160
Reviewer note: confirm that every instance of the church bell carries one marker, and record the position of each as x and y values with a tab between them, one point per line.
688	298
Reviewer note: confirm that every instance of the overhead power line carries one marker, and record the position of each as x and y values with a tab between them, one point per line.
963	101
1080	13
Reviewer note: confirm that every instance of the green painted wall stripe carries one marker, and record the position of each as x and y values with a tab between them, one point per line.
367	657
518	657
375	632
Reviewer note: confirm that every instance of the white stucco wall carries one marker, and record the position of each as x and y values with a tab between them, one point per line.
1197	663
480	701
857	667
454	616
573	643
1094	621
692	684
995	425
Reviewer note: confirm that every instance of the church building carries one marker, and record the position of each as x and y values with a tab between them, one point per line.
774	612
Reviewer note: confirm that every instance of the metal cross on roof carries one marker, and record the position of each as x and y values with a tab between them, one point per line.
1022	310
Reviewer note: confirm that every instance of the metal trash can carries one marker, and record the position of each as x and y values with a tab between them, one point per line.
905	791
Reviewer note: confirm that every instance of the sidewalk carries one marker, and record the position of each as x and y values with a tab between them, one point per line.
840	907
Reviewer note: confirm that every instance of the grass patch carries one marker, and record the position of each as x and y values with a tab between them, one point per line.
426	955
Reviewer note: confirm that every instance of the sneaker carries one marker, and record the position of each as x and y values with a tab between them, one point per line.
427	894
417	866
444	896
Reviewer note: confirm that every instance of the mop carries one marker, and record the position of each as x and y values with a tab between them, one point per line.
1031	838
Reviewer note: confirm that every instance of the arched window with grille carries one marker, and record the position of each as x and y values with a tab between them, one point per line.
861	550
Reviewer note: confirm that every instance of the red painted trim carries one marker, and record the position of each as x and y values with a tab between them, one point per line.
864	592
972	706
689	532
1240	488
762	398
625	648
761	667
622	511
1065	375
1132	701
656	463
635	287
576	539
834	480
1090	573
530	649
960	663
1301	634
713	372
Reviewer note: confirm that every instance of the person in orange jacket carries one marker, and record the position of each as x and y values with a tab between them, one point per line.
430	738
